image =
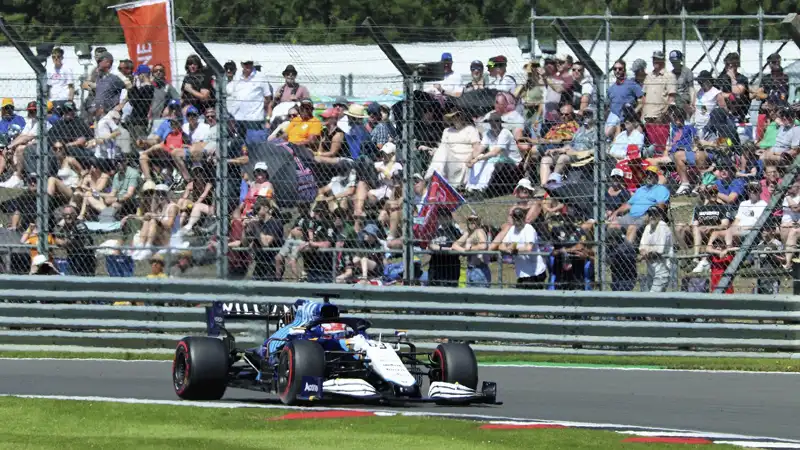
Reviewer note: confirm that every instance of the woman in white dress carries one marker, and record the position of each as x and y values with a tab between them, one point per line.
459	142
68	177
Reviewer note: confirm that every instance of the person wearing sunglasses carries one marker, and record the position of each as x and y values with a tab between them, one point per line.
623	91
735	87
774	85
60	80
164	92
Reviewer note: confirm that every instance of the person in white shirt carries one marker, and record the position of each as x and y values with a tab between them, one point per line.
522	238
251	95
60	80
459	142
497	146
790	221
747	215
706	99
451	84
656	249
497	75
106	131
629	136
387	170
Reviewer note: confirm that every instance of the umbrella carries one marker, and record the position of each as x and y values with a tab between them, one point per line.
289	169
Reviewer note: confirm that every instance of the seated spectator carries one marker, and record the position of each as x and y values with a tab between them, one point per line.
23	207
121	198
787	141
73	235
156	268
444	268
459	142
747	164
62	187
385	182
296	241
368	264
584	140
721	257
631	216
40	265
656	249
26	139
160	224
772	178
616	195
629	136
31	237
332	149
747	214
337	194
475	239
317	262
497	146
181	268
521	240
94	184
621	259
682	150
259	187
790	219
262	234
381	129
708	218
558	135
279	131
165	153
305	130
198	199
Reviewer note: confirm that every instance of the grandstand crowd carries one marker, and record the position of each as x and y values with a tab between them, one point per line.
316	192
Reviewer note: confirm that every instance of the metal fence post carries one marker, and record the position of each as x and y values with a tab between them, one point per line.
683	33
760	42
607	19
408	194
533	29
42	165
222	183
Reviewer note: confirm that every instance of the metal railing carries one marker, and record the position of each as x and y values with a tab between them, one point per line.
80	314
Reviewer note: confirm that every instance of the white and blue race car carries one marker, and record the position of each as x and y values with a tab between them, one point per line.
319	355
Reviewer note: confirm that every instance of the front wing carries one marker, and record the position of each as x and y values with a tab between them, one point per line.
439	392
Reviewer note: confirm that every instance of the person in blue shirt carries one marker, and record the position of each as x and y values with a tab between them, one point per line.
9	117
727	190
650	194
682	149
623	91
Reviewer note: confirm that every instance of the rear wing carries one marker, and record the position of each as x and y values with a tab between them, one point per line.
219	312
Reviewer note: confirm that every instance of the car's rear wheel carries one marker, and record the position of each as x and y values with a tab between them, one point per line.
298	359
455	363
200	368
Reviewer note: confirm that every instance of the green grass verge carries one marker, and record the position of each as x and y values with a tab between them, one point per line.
45	424
656	362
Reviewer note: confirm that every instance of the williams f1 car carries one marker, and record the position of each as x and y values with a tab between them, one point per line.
319	355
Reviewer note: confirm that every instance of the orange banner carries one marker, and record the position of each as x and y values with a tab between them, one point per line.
148	33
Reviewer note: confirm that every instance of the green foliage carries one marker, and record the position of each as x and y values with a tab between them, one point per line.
331	22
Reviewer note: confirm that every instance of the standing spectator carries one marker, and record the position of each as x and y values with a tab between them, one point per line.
197	89
305	130
90	84
73	236
497	75
291	91
109	86
621	260
624	91
556	88
451	84
736	88
775	84
707	99
584	96
478	80
60	80
684	81
659	94
522	238
163	92
531	95
475	239
250	97
656	249
639	69
263	233
445	267
140	97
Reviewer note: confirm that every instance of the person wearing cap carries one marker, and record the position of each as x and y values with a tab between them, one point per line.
109	86
260	186
8	117
332	144
521	240
385	182
451	83
305	130
727	189
181	268
627	137
684	81
160	225
250	97
291	90
60	79
787	141
656	248
156	268
459	142
709	218
659	94
477	80
705	100
171	151
28	134
163	92
498	79
73	235
631	215
140	100
197	88
340	105
736	88
497	146
475	239
623	91
532	96
775	84
444	268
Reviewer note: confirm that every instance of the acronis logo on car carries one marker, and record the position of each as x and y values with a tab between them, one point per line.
311	388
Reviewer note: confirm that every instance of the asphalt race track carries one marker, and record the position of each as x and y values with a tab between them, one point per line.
752	404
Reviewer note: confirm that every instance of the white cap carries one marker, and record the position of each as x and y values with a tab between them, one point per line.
260	166
524	183
38	260
162	188
389	148
617	172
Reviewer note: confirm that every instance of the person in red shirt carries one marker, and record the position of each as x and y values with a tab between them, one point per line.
161	153
721	258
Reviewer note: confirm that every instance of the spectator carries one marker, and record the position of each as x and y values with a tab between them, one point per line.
721	258
790	221
317	262
197	88
771	180
73	235
338	193
305	130
478	78
121	199
505	105
166	154
198	199
497	146
775	84
263	234
26	139
160	224
61	187
532	97
291	91
624	91
383	130
140	98
73	132
684	82
107	130
584	96
250	97
294	243
629	136
90	85
451	84
706	100
163	92
656	249
444	268
616	195
181	268
386	181
259	187
769	262
31	237
369	263
22	208
8	117
736	88
747	215
682	150
475	239
497	75
708	218
556	88
459	142
787	141
631	216
727	190
659	94
522	238
109	86
639	69
621	259
60	80
557	135
583	140
94	184
156	268
40	265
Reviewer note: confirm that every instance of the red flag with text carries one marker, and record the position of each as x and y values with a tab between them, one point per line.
147	26
440	194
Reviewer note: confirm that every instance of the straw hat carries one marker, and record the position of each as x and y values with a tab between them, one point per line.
356	111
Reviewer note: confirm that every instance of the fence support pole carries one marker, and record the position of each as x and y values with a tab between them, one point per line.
683	33
533	29
761	42
705	49
607	19
408	173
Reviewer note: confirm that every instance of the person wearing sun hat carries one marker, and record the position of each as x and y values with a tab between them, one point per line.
459	141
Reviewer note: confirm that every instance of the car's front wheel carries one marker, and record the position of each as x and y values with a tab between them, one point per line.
200	368
298	359
455	363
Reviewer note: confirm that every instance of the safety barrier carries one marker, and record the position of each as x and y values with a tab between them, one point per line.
81	313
